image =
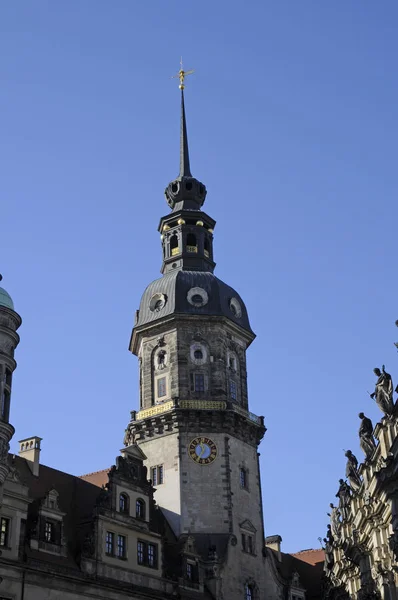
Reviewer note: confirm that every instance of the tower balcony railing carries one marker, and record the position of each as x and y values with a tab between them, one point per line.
175	251
206	253
192	249
194	404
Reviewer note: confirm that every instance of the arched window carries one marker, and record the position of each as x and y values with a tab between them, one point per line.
140	509
124	503
249	592
207	248
191	243
174	245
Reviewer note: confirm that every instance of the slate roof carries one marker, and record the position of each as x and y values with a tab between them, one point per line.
175	286
76	497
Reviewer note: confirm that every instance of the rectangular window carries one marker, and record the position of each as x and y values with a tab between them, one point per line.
199	382
233	390
161	387
110	543
140	553
189	571
160	474
244	542
154	476
243	478
147	554
121	546
49	531
250	544
157	475
152	555
4	532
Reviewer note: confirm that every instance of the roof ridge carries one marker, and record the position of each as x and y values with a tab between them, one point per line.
306	551
94	472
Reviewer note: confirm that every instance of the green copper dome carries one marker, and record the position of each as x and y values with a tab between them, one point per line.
5	299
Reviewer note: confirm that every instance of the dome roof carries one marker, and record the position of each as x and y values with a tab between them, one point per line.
5	299
191	292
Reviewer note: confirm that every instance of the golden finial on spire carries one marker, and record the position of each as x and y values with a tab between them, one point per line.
181	75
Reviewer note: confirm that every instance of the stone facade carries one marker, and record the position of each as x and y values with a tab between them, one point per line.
361	547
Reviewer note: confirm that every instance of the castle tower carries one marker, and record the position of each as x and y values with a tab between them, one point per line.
194	425
9	339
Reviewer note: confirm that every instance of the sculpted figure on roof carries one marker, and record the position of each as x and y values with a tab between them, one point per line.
366	438
335	521
383	391
351	471
344	496
329	558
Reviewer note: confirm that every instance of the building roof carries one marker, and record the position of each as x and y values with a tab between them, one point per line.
76	499
174	287
98	478
309	566
312	557
5	299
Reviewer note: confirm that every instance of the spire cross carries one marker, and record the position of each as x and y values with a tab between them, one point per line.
182	74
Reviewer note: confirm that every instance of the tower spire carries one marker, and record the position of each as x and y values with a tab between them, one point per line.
185	169
185	192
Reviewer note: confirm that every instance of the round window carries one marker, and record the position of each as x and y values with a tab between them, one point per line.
235	307
198	353
197	297
157	302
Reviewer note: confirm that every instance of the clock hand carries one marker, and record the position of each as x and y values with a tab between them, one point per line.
203	450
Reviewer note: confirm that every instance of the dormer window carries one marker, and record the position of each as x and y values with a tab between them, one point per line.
124	503
49	532
4	532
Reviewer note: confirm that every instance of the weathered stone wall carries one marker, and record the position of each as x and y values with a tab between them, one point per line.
164	450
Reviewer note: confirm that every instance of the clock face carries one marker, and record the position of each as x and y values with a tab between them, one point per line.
202	450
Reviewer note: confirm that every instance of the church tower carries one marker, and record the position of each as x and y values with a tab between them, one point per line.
10	321
194	424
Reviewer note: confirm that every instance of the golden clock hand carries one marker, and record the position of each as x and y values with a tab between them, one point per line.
203	450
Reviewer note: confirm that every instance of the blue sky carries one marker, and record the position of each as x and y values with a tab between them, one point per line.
292	127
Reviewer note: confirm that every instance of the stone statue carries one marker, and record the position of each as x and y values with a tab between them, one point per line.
366	438
351	471
129	437
126	468
344	496
383	391
103	497
329	558
329	535
161	360
335	521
